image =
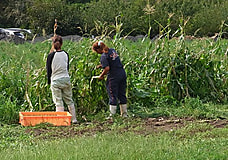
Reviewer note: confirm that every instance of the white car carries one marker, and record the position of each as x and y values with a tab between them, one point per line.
11	32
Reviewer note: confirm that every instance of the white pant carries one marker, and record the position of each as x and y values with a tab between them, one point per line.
62	91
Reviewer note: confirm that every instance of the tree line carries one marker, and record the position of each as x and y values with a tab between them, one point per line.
108	17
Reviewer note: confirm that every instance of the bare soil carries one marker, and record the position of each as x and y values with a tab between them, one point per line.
136	125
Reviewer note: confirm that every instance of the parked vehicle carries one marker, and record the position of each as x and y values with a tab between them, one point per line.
14	32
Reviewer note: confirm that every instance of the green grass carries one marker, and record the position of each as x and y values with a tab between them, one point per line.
190	108
195	141
166	78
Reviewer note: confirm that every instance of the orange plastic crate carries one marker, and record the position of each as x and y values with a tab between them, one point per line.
55	118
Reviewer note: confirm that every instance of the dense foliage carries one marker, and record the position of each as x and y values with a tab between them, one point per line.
161	73
203	18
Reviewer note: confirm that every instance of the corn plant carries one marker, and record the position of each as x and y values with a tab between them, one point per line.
161	71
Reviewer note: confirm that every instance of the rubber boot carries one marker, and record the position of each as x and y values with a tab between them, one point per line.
72	112
123	110
59	109
112	110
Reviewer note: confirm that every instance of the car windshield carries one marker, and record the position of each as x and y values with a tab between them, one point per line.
17	33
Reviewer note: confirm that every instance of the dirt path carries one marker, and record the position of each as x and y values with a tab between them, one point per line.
136	125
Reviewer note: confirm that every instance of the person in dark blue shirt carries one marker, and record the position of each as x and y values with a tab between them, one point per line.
116	77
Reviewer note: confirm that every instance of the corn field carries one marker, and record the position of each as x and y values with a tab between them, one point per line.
160	71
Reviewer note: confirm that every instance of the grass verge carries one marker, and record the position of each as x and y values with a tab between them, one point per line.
193	140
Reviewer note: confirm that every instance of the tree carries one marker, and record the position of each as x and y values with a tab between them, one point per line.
42	14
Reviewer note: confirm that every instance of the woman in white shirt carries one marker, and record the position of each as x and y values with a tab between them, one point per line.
57	71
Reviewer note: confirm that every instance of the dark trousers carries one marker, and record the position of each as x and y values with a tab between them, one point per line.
116	88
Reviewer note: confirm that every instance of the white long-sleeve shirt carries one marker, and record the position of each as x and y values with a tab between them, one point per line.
57	65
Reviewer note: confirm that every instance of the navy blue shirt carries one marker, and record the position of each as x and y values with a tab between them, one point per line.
112	60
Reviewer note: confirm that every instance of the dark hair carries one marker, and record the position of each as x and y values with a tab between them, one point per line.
100	46
57	41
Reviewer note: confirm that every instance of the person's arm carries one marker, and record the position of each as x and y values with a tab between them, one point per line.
104	72
52	45
99	66
48	66
52	48
67	60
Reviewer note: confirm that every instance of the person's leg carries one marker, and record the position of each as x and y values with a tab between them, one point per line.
112	109
57	96
123	110
73	113
67	97
112	89
122	97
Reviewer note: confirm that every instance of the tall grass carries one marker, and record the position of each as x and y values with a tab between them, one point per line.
164	71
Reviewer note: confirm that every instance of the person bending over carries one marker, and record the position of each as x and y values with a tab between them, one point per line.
116	83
